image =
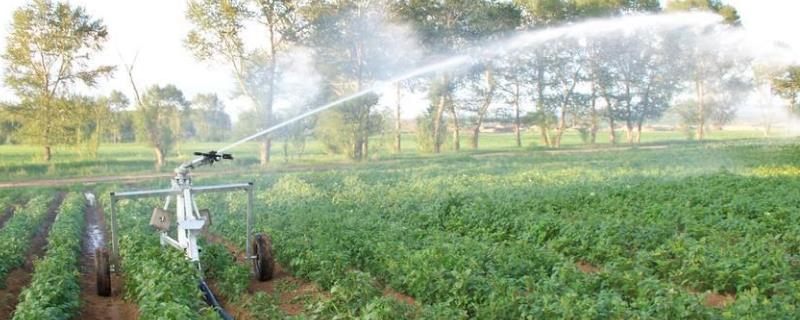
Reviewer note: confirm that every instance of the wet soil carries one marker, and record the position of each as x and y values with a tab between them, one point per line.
92	305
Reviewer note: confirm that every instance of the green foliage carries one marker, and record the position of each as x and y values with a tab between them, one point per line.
728	12
54	291
343	130
158	119
17	232
787	85
158	279
232	278
210	121
355	296
64	40
425	132
501	238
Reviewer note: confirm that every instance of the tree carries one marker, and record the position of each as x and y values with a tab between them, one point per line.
119	120
483	88
719	79
635	76
448	26
355	46
157	119
217	34
49	49
211	122
727	12
787	86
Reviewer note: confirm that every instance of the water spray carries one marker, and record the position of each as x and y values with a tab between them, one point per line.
190	220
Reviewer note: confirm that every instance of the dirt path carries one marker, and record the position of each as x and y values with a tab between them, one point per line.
92	305
19	278
127	179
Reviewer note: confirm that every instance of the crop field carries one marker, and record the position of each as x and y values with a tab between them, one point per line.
665	231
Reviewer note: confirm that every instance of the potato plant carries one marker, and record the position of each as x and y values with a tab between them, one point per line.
54	291
158	279
17	232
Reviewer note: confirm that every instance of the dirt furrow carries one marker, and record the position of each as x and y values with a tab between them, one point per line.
20	277
7	213
281	279
92	305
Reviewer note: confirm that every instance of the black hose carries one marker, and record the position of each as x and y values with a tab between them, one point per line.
212	300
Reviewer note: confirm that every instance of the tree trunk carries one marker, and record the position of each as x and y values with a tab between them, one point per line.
594	118
456	129
562	125
517	126
159	157
397	134
639	131
545	136
629	131
264	151
47	153
475	135
612	136
365	147
437	119
487	101
701	111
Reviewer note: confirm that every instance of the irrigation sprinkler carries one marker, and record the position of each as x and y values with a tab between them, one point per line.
189	222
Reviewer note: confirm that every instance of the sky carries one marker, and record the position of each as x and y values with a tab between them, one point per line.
156	36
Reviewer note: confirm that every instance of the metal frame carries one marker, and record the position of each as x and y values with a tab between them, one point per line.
189	222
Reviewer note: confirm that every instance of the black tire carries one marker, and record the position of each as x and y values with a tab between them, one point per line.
102	268
264	264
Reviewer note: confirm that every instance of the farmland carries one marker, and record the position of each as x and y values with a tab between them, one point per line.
672	230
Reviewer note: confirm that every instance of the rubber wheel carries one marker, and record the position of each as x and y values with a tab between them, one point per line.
103	270
264	264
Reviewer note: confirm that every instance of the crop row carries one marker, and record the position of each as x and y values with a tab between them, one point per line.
158	279
54	291
355	294
503	240
17	232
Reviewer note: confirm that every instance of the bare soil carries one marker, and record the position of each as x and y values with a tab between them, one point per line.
19	278
92	305
404	298
129	179
288	301
586	267
719	300
7	213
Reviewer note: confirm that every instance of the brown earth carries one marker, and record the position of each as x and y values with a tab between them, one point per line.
7	214
404	298
287	299
719	300
133	178
20	277
92	305
290	301
586	267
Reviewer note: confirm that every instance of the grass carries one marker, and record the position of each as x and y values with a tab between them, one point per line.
24	162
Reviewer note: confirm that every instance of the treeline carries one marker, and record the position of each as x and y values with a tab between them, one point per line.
621	80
